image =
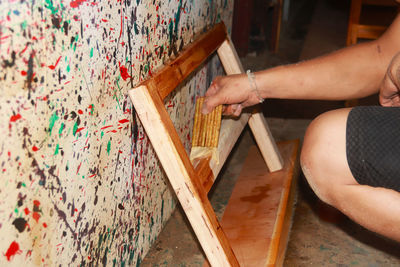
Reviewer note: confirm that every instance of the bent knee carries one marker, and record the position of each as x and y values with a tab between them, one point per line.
323	156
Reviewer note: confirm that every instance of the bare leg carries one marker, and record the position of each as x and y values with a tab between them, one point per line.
325	166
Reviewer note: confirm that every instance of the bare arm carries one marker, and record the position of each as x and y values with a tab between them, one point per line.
352	72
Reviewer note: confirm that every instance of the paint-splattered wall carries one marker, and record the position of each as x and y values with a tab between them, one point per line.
80	183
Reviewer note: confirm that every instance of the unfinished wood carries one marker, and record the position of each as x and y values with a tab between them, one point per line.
258	126
174	73
265	142
177	166
280	236
257	217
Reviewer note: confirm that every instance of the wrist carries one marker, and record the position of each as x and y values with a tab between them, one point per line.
253	85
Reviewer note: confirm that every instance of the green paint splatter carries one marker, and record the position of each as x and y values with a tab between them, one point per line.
53	119
178	17
322	247
62	127
171	32
91	52
68	68
57	149
108	147
102	134
136	27
24	24
75	128
100	241
51	6
146	68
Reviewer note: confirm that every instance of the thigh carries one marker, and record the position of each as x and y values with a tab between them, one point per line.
373	146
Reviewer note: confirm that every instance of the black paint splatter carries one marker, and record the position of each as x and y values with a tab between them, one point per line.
9	63
20	224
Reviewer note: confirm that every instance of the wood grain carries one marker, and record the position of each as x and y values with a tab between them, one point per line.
175	72
182	176
257	123
206	128
257	217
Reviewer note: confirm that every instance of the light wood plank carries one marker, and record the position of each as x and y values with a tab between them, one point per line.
265	142
257	217
177	166
232	65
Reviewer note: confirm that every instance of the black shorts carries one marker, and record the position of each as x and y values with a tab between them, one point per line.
373	146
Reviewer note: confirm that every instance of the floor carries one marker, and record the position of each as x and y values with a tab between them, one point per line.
320	235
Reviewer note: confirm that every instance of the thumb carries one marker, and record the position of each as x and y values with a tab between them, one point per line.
209	104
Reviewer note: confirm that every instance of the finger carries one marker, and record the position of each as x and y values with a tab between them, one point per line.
229	109
238	110
233	110
214	87
210	103
212	90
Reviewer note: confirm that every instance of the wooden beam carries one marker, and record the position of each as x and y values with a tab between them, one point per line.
231	62
174	73
265	142
175	161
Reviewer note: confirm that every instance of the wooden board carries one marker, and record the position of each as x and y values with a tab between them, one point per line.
257	217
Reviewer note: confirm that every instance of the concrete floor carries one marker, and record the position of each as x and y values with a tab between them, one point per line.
320	235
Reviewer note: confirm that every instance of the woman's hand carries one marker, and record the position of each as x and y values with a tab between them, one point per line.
389	94
234	91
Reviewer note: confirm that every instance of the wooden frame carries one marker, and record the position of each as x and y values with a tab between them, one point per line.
190	184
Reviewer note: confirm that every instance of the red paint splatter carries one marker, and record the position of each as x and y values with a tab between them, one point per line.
23	73
79	129
52	67
13	250
80	111
124	121
36	202
36	216
124	72
26	210
45	225
15	117
76	3
35	148
105	127
104	20
79	166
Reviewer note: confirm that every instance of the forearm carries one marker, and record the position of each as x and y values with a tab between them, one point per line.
349	73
